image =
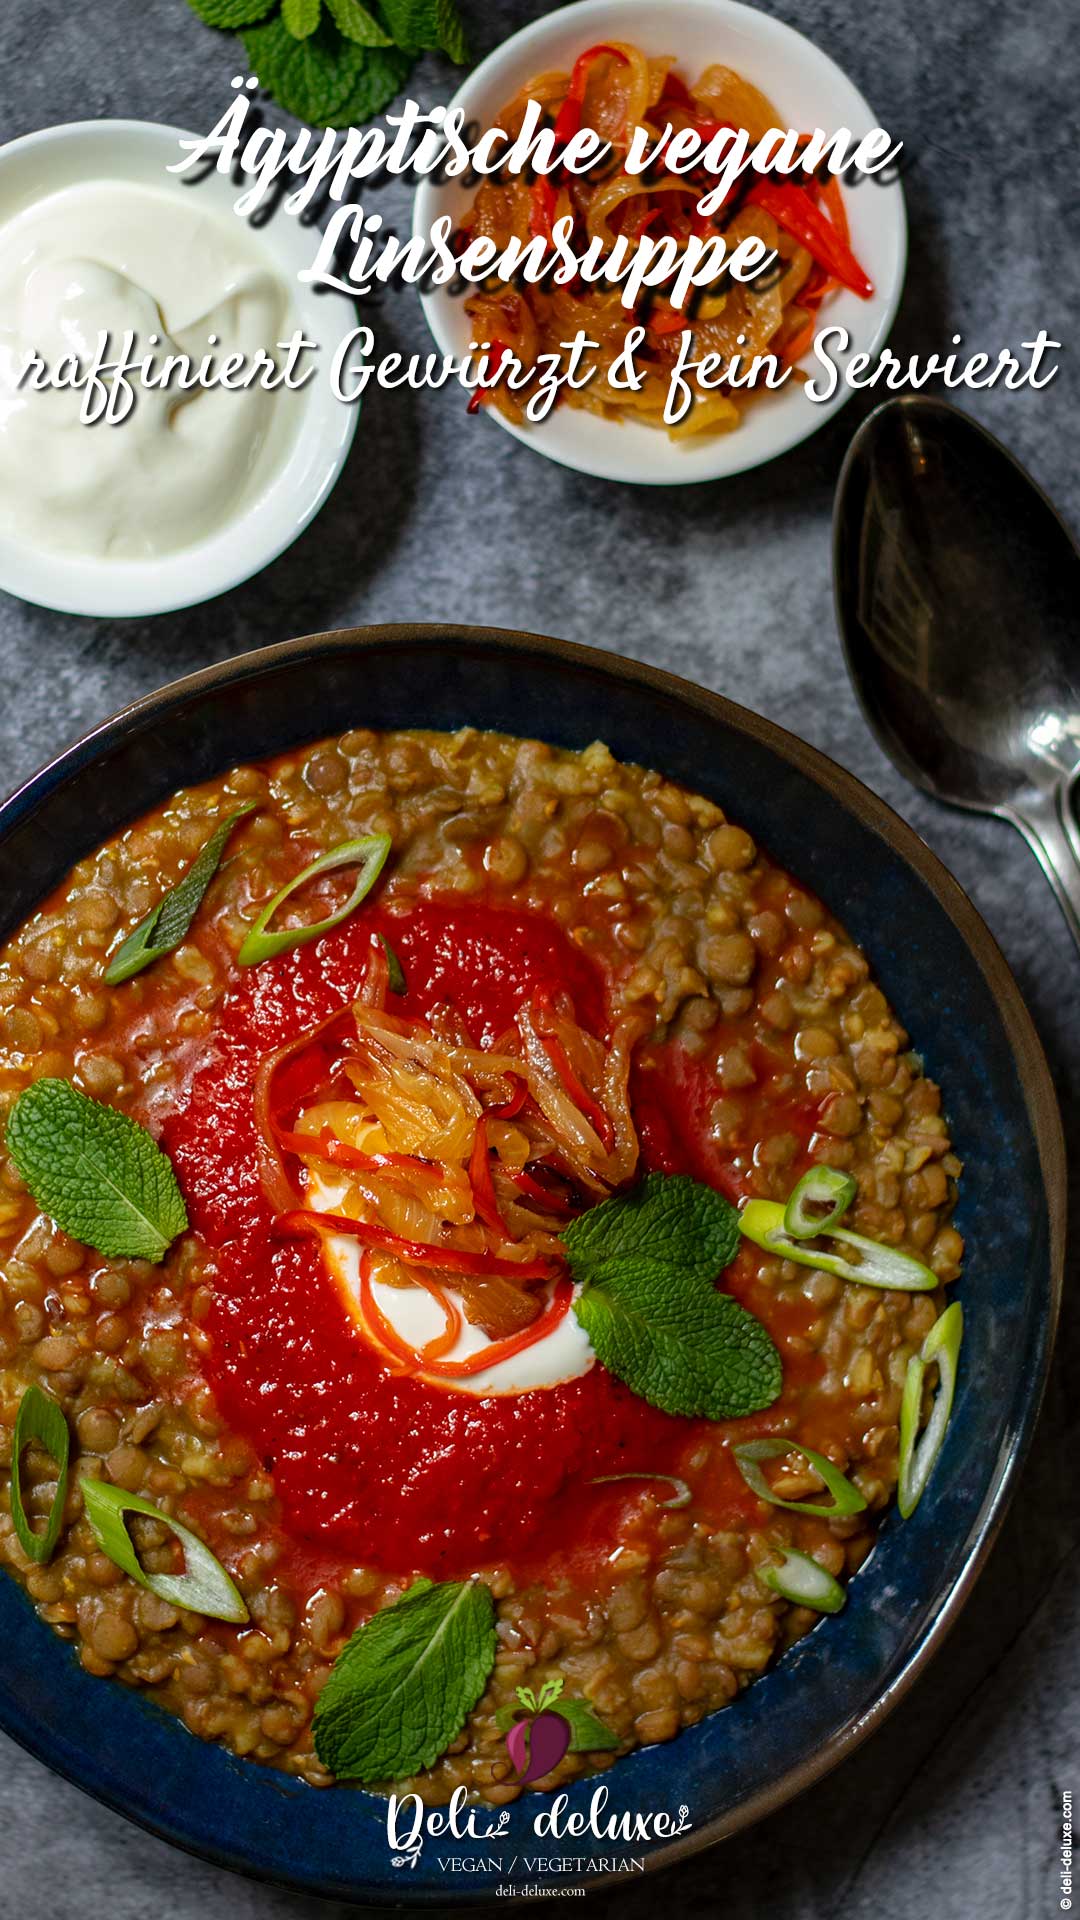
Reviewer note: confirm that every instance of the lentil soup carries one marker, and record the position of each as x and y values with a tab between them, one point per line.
571	972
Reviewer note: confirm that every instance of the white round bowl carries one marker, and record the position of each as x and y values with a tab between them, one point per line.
808	90
139	152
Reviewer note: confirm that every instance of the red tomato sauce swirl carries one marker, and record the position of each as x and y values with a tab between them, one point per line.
390	1472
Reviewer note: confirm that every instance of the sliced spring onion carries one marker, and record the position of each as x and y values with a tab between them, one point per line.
917	1455
203	1587
39	1419
398	983
680	1498
369	854
762	1221
803	1581
750	1453
821	1187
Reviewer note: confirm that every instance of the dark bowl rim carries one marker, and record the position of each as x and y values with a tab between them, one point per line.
1036	1082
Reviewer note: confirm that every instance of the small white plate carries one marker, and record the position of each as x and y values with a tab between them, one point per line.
807	89
140	151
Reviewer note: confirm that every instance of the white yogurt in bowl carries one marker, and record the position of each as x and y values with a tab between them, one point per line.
133	261
105	256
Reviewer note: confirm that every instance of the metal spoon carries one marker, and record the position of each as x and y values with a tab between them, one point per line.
958	599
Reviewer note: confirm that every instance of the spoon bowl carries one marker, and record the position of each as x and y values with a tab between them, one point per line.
957	586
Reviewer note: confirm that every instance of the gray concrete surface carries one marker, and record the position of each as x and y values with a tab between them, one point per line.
951	1810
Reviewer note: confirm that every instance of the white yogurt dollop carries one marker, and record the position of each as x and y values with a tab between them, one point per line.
565	1353
113	256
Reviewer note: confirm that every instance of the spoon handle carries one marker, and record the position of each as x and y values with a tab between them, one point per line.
1054	844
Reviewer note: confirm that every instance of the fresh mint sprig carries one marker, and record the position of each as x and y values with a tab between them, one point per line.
647	1262
335	63
356	23
231	14
404	1685
96	1172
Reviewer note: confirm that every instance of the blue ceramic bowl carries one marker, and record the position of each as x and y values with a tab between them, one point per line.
949	985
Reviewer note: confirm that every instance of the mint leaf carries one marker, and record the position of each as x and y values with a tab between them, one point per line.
356	23
231	13
406	1682
95	1171
433	25
300	17
685	1348
379	80
647	1261
167	923
587	1733
325	80
667	1218
450	27
312	77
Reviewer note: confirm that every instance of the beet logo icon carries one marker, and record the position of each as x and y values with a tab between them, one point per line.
540	1734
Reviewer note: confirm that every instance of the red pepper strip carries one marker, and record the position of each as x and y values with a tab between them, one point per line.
442	1343
545	1197
802	341
668	319
835	208
580	1095
487	1205
387	1336
343	1155
556	1310
633	220
677	90
326	1146
542	202
568	121
273	1177
513	1105
402	1359
499	351
677	220
799	343
707	130
412	1361
809	299
681	96
792	208
413	1253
